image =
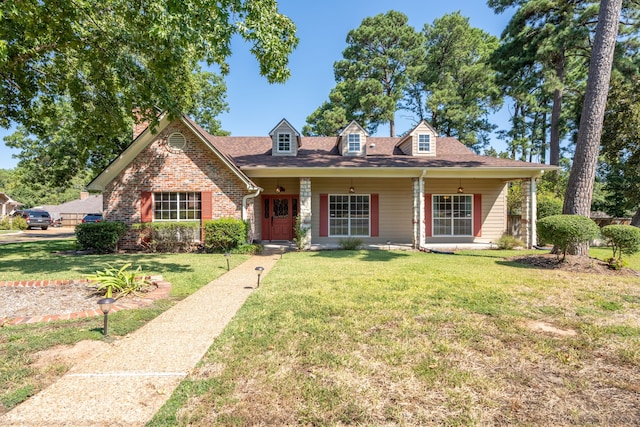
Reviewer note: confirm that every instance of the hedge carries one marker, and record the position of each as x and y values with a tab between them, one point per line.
624	239
169	236
224	234
100	236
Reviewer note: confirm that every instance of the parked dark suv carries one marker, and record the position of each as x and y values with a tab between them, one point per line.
36	218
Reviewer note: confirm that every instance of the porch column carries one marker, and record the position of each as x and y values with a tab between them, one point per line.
529	216
305	209
418	213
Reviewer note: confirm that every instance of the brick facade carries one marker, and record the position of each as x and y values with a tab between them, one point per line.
160	168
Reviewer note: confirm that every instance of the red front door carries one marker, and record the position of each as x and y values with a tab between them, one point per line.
279	216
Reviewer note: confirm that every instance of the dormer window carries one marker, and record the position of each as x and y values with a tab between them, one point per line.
284	142
354	143
424	143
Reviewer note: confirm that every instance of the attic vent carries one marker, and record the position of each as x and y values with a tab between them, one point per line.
177	141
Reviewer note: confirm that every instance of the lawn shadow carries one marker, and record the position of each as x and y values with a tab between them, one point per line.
377	255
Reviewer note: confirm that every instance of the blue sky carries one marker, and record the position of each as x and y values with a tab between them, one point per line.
256	106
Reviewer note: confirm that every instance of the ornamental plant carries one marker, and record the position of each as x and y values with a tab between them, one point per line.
623	239
122	281
224	234
102	237
565	231
300	232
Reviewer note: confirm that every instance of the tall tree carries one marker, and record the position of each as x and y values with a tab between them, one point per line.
553	38
580	187
455	88
110	57
371	77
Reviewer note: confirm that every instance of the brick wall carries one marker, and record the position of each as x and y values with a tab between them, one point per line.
161	168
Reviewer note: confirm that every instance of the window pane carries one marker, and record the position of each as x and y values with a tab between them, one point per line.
452	215
177	206
349	215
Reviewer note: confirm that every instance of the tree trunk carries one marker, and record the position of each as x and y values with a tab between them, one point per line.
577	200
392	128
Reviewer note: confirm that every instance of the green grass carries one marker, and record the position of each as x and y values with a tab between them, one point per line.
42	260
405	338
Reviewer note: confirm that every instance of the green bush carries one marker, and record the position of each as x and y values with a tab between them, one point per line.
100	236
300	232
350	243
508	242
548	205
623	239
13	223
565	231
169	237
224	234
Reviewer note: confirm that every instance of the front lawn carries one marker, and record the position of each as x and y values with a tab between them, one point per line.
19	378
407	338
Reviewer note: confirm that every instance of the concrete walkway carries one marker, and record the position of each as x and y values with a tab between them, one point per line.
129	382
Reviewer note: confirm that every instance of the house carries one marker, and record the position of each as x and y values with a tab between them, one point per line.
421	189
71	213
7	205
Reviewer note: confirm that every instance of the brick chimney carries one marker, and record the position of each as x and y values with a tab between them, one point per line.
84	195
139	124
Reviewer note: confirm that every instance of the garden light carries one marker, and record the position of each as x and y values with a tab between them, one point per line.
259	270
105	305
227	255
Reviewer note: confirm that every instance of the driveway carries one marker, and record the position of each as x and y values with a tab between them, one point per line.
52	233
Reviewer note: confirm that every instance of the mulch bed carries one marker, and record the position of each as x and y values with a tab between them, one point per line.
572	263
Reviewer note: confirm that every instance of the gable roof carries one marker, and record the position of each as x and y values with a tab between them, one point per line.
146	137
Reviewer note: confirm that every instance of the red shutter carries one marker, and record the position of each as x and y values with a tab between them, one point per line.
206	205
146	206
375	228
428	216
477	215
206	211
324	215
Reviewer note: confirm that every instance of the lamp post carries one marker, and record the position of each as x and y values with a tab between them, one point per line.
389	244
227	255
259	270
105	306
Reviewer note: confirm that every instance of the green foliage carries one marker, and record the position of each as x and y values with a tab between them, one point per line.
371	77
623	239
13	223
300	234
509	242
566	231
455	86
350	243
102	237
121	281
170	237
224	234
102	58
548	205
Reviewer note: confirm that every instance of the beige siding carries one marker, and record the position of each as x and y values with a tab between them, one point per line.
494	209
344	140
395	206
284	128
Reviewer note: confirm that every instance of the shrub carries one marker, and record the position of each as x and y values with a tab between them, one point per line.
508	242
120	280
565	231
13	223
169	236
100	236
548	205
623	239
300	232
350	243
224	234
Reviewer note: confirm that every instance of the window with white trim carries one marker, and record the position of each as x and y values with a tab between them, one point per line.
284	142
424	143
349	215
172	206
453	215
354	143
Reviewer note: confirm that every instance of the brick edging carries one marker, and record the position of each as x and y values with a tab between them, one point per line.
162	290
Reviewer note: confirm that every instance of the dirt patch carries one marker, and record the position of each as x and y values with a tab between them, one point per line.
572	263
68	355
550	329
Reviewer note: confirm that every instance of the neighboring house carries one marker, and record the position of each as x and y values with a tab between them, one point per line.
7	205
419	189
71	213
